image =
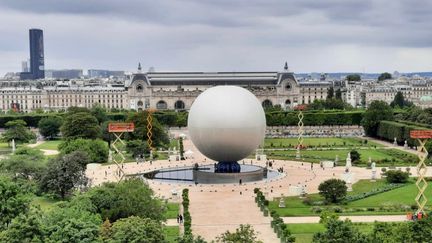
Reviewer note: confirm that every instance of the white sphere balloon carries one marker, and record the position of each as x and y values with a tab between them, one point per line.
226	123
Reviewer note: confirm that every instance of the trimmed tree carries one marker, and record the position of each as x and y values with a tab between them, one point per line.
114	200
18	131
81	125
49	127
340	231
13	201
377	111
97	150
355	156
333	190
136	229
245	233
64	173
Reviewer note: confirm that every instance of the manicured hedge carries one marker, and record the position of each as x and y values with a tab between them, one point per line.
179	119
388	130
32	120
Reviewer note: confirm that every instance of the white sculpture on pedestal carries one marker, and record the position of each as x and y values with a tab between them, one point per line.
373	179
395	142
348	164
13	146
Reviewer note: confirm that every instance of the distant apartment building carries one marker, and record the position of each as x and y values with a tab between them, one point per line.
64	74
37	58
98	73
160	90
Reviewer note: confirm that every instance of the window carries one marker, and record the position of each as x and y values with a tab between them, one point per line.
179	105
267	104
161	105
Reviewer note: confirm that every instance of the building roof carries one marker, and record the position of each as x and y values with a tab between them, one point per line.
212	78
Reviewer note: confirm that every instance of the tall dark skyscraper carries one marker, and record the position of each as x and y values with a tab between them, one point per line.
37	61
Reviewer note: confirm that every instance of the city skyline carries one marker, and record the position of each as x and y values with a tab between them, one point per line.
335	36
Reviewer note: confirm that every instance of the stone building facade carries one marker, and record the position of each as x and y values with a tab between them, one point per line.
160	90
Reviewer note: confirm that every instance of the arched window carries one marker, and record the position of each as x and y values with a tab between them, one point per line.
288	86
179	105
140	103
288	102
161	105
267	103
139	88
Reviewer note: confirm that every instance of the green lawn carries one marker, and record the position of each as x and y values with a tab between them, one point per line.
4	146
304	232
382	157
323	142
171	233
172	210
404	195
50	145
386	203
44	203
174	144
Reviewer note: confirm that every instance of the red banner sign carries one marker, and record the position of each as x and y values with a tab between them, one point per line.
121	127
421	134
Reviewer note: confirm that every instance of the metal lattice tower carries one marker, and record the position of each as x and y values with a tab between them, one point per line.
118	129
421	182
422	137
118	161
300	134
149	129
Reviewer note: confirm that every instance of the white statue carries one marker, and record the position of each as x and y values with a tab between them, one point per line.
13	146
373	179
348	164
406	144
395	141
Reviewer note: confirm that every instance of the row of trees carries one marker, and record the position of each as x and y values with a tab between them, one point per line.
130	210
345	231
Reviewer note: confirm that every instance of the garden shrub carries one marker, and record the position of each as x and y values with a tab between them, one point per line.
397	176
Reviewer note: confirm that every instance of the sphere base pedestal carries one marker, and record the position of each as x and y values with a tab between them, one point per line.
227	167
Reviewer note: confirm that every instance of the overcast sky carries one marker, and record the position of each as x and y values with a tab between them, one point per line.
221	35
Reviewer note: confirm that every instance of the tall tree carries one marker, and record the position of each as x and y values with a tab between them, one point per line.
71	223
353	77
338	94
27	227
18	131
384	76
330	92
49	127
13	201
114	200
245	233
25	163
96	149
136	229
80	125
399	101
340	231
99	112
333	190
377	111
64	173
159	137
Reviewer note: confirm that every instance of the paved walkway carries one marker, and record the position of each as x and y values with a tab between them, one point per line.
46	152
216	208
364	219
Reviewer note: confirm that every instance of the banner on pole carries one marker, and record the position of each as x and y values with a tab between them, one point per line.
121	127
421	134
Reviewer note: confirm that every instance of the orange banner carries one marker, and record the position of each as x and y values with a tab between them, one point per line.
421	134
121	127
